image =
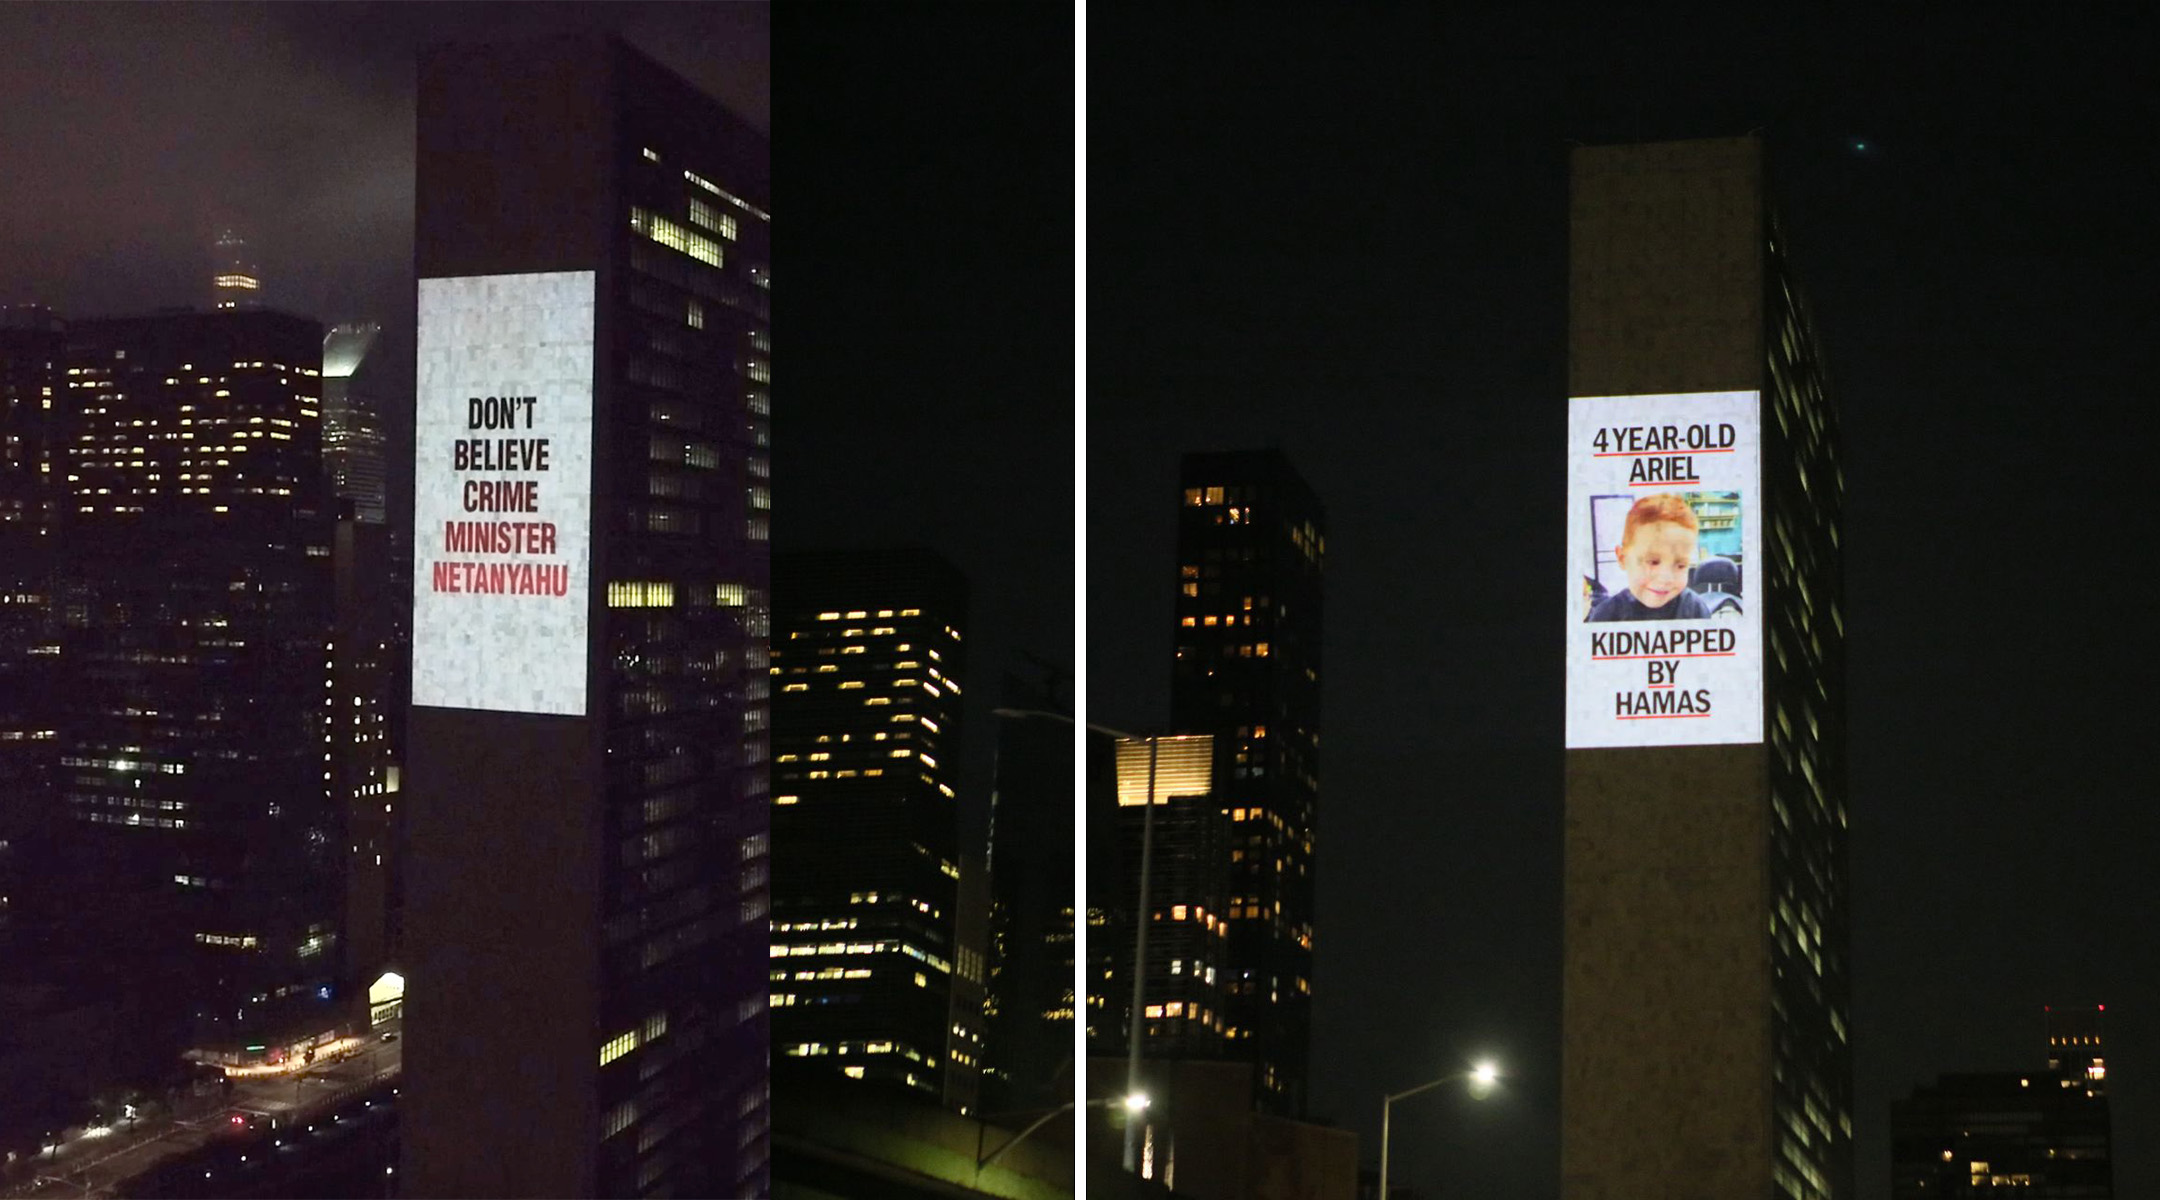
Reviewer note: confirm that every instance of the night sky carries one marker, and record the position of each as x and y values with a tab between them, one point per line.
1344	234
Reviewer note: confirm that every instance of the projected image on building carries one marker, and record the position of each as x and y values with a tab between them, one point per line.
1664	647
502	492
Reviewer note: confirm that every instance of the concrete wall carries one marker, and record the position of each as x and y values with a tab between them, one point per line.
1665	1008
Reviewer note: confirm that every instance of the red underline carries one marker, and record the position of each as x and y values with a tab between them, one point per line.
1698	654
1655	686
1636	453
1664	482
1661	716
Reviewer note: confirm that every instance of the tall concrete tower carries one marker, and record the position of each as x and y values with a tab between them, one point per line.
1705	978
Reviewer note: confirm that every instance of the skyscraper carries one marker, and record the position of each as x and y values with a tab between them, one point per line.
195	619
235	282
867	658
353	439
1028	1017
585	923
365	774
2075	1045
1705	976
32	342
1251	541
1187	845
33	475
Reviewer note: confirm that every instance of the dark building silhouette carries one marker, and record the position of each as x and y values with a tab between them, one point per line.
364	698
2075	1046
586	905
1705	1009
868	654
202	839
33	477
2046	1134
1028	1016
1110	899
1251	541
32	390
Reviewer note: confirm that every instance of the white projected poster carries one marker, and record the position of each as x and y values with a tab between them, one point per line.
502	492
1664	540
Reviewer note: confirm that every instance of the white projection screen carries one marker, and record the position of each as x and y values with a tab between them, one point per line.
1664	543
502	492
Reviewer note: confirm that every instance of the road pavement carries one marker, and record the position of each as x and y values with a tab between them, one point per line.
93	1164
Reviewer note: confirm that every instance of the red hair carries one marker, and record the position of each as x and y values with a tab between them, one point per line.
1651	510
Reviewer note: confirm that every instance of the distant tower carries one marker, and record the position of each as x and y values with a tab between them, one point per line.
1251	539
2048	1134
352	422
235	282
2074	1046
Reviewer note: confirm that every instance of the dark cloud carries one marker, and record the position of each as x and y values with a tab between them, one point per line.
130	132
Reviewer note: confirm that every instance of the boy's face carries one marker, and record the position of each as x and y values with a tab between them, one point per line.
1656	560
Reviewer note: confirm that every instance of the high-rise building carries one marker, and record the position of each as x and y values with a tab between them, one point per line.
868	654
32	485
1186	848
353	438
194	779
586	792
1251	540
2074	1044
234	283
2045	1133
1028	1013
33	478
1706	983
365	772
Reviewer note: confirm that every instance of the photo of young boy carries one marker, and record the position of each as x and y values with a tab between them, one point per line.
1658	546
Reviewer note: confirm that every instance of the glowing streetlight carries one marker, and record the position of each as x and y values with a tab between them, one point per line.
1482	1078
1132	1102
1136	1028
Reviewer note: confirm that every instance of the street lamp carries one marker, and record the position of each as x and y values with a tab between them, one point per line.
1482	1078
1135	1030
1131	1102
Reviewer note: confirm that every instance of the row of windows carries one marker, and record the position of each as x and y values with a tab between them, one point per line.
676	237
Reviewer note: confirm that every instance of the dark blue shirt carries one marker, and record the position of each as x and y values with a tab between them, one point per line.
1623	606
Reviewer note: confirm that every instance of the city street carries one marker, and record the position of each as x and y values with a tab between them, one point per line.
94	1162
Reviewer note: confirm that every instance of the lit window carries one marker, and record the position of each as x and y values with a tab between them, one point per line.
675	237
618	1046
712	218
